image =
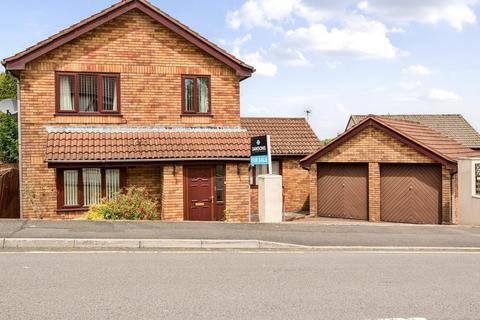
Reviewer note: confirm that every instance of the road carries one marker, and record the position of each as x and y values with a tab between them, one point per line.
239	285
311	234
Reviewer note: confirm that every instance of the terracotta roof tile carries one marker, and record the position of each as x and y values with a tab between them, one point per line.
118	146
289	136
451	125
429	137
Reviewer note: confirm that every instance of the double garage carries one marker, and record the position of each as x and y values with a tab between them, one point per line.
386	170
409	193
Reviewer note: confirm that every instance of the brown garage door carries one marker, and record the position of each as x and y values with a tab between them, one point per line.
411	193
342	191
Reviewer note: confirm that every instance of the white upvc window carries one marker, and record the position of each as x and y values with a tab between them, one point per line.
476	178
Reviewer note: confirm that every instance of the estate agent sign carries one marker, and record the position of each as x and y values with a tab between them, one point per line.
260	151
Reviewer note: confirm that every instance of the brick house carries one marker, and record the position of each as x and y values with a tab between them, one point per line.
131	96
385	168
292	139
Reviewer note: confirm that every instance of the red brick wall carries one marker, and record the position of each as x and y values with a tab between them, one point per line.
149	178
295	186
150	59
237	192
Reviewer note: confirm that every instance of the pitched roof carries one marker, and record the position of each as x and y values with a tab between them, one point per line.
451	125
18	61
145	145
424	139
288	136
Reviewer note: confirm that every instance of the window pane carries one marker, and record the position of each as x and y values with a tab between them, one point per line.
67	93
203	96
477	178
189	106
110	94
276	167
88	93
112	180
220	183
70	188
92	186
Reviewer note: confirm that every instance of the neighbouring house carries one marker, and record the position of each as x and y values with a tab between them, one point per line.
469	191
8	106
390	169
132	97
291	139
454	126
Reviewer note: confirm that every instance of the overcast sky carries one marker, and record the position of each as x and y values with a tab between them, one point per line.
334	58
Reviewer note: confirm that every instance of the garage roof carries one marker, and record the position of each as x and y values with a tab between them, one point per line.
451	125
289	136
424	139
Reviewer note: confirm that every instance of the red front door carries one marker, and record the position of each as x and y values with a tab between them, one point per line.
199	197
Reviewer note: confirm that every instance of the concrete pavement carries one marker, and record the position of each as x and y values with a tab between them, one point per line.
223	285
307	234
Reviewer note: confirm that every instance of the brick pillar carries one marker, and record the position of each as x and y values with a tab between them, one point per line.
172	192
446	195
237	186
374	191
313	189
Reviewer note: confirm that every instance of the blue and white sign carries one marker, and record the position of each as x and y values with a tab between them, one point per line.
260	152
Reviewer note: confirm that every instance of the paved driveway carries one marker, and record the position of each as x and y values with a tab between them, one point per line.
315	234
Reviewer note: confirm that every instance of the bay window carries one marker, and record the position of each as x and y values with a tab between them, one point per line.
263	169
78	188
196	95
87	93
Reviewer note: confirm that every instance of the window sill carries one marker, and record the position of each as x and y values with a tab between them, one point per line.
87	114
64	210
196	115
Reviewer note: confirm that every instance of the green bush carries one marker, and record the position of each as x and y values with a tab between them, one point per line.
8	86
132	204
8	138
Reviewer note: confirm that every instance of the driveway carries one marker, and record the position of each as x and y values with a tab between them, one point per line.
313	234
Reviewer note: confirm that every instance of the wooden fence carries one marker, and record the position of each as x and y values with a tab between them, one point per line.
9	192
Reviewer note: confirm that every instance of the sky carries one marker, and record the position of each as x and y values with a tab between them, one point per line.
334	58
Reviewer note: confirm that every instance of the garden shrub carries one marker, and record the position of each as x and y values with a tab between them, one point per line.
131	204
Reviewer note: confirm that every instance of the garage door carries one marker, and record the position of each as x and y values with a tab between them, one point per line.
411	193
342	191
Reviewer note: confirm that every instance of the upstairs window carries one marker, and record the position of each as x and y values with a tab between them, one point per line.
86	93
196	95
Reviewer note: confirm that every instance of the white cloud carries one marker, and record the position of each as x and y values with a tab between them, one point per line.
238	42
457	13
443	95
359	36
261	13
263	67
417	70
289	56
342	109
410	85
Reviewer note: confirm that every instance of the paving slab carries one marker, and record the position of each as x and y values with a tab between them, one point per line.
107	243
38	243
170	243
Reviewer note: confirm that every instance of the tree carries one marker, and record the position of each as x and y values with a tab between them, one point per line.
8	86
8	138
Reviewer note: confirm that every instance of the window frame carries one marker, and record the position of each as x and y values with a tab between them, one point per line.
76	101
195	111
60	186
474	179
224	187
254	172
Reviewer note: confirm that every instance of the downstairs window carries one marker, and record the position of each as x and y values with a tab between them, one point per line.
78	188
263	169
476	176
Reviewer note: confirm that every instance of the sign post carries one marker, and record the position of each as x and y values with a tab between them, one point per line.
260	153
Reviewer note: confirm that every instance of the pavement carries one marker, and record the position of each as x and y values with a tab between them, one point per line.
326	234
248	285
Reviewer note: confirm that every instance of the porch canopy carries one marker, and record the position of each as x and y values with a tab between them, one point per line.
69	145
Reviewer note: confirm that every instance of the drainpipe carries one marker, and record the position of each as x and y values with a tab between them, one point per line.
20	163
452	200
